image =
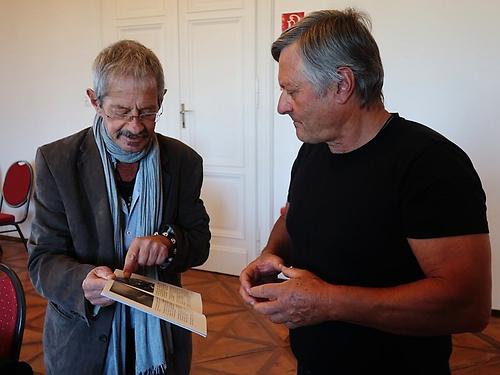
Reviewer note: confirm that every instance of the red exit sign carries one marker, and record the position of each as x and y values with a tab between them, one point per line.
290	19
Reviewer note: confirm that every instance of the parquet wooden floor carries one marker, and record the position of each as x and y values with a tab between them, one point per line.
240	342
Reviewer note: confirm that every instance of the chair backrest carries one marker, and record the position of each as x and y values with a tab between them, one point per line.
12	313
17	185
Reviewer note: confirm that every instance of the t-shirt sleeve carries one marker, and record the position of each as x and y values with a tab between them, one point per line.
442	195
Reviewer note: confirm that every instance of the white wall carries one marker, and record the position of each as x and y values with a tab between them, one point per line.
47	50
442	68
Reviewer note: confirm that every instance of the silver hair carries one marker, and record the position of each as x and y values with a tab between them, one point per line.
127	58
330	39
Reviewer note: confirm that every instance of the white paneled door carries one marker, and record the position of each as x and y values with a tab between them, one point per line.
217	83
208	50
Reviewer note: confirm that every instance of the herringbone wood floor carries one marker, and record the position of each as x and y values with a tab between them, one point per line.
240	342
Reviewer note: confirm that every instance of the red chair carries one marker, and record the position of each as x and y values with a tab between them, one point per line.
16	193
12	314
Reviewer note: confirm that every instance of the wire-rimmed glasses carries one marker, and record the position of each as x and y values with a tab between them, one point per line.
142	117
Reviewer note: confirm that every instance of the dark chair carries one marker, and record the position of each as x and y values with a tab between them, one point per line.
16	193
12	314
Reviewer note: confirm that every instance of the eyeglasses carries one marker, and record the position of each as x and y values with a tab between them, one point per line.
142	117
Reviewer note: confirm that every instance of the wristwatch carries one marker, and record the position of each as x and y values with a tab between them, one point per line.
170	234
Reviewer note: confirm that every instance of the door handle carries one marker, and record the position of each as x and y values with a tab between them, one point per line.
183	114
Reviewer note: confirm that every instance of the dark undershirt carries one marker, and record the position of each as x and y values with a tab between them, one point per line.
126	189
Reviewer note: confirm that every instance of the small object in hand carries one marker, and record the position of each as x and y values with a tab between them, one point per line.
282	276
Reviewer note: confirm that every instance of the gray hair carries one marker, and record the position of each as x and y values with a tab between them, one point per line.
127	58
330	39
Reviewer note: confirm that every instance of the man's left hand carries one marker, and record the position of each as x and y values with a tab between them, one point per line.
300	301
146	251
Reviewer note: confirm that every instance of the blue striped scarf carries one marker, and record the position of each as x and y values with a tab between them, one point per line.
149	345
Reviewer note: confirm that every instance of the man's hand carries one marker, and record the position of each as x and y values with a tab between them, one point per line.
265	267
300	301
146	251
93	284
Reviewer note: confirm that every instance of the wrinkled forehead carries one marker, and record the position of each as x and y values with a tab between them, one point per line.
121	83
291	65
128	92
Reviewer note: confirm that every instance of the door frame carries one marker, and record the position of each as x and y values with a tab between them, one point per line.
266	212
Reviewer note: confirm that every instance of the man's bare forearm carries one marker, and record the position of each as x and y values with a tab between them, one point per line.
279	241
454	297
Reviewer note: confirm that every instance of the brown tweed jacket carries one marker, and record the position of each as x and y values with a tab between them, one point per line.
72	232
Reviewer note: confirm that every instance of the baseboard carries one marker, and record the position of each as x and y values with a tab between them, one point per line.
495	313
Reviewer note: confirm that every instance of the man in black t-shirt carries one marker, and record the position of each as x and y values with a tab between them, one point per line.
384	239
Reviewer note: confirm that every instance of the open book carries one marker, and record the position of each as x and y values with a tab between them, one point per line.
176	305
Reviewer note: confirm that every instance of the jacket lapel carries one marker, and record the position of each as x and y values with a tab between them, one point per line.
93	181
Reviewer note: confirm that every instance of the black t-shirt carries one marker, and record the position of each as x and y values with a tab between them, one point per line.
349	218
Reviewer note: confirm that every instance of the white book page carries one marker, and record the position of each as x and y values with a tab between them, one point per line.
176	305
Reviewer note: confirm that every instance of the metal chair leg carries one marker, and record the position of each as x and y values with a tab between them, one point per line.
22	237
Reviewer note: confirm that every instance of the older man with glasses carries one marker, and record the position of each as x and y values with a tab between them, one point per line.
116	195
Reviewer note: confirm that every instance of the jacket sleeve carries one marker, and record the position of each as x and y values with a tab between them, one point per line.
53	266
190	221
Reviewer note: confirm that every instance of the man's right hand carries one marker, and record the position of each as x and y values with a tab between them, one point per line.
265	266
93	284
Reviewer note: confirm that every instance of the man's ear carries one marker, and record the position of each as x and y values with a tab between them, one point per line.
345	88
93	99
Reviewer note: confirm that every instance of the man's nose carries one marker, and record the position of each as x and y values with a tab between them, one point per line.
284	105
135	124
